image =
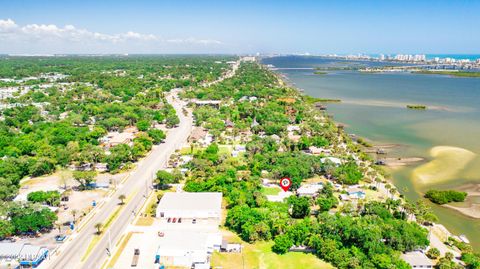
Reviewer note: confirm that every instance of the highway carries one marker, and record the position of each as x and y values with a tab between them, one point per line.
135	188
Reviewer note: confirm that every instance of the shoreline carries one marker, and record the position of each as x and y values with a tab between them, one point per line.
408	160
472	211
382	103
402	161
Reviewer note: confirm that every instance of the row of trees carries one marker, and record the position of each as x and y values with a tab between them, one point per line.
24	218
51	198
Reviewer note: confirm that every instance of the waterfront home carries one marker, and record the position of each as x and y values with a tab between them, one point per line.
309	190
417	259
333	160
356	193
317	151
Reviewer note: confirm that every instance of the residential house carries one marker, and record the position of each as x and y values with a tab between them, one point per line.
356	193
334	160
309	190
317	151
212	103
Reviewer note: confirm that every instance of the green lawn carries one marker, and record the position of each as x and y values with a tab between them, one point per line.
260	256
270	191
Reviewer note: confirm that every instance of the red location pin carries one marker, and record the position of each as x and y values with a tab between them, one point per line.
285	183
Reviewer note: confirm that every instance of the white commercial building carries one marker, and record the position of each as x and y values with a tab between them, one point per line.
25	254
189	230
186	248
190	205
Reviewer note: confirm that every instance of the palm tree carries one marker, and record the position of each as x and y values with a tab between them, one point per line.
98	226
122	198
392	192
58	225
74	213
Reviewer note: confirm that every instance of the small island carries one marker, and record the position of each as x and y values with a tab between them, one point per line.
417	107
320	73
445	197
313	100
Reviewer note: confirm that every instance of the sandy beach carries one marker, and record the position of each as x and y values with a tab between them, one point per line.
448	162
382	103
400	162
472	211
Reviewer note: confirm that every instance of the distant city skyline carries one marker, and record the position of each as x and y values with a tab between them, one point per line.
341	27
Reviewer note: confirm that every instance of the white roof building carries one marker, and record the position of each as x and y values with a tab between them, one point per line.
309	189
334	160
26	254
317	151
207	102
292	128
187	248
190	205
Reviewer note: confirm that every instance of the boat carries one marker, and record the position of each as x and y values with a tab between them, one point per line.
464	238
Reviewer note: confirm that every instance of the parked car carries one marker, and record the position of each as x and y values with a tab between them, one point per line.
60	238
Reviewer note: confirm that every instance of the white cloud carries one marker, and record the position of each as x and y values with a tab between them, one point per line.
7	26
33	38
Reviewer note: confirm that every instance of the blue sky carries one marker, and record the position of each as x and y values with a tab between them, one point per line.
239	26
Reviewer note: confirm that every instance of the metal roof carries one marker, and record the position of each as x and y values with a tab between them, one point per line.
200	201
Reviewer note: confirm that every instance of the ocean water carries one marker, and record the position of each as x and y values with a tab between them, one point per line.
374	106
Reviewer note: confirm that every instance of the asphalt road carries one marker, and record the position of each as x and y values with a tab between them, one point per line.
138	185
